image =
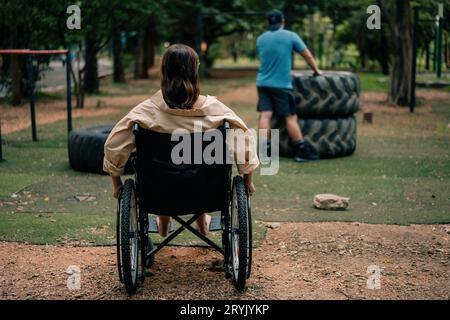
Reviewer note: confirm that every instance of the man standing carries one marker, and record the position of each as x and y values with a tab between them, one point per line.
274	81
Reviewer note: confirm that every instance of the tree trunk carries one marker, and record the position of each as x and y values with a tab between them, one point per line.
447	51
384	53
362	50
400	84
119	74
427	56
91	82
362	58
140	72
16	87
145	53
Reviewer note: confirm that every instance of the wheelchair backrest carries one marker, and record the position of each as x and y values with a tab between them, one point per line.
168	185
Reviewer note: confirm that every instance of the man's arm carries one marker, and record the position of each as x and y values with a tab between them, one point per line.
309	58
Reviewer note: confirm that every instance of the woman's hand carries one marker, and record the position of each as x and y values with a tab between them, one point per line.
248	180
117	186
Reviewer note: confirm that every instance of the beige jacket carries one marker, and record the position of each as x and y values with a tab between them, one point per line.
154	114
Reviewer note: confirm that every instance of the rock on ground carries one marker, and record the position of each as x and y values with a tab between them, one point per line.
330	202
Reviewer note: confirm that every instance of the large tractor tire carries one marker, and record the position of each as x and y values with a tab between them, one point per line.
86	149
334	94
330	137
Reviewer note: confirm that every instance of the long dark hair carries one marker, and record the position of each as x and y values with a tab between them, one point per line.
179	77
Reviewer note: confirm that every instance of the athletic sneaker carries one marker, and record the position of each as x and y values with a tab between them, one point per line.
306	153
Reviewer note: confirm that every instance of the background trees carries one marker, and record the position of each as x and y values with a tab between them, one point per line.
134	30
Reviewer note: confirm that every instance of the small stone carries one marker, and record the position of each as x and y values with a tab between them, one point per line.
330	202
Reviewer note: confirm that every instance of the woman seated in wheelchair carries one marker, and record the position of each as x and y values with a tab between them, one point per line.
177	105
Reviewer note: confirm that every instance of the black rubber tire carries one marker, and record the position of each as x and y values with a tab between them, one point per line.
239	198
130	278
332	138
86	149
334	94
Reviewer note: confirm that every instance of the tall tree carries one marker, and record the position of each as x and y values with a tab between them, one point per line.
145	49
398	17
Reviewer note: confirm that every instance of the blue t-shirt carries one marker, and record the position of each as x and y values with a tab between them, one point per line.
275	55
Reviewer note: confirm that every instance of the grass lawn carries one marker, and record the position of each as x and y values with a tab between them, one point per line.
400	174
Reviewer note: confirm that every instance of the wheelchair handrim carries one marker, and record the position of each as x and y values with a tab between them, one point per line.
134	243
235	234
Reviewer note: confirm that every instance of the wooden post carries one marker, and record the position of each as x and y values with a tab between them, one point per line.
31	93
69	91
368	117
1	143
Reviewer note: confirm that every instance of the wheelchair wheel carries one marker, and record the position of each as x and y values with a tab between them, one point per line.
239	233
129	237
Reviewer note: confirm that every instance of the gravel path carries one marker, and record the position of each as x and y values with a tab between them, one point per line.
295	261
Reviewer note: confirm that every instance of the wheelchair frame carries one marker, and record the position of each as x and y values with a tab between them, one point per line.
236	228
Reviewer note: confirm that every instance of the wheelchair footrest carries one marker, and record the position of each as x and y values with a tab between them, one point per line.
215	225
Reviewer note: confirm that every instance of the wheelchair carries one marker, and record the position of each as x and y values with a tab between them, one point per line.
161	187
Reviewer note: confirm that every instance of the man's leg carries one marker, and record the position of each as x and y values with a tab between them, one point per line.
295	133
265	109
265	123
293	128
265	119
303	152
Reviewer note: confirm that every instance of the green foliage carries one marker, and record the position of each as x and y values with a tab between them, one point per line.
41	24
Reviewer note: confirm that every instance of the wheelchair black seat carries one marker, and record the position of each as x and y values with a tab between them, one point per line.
165	187
196	187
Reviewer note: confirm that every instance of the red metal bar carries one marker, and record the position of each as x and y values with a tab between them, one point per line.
15	51
35	52
48	51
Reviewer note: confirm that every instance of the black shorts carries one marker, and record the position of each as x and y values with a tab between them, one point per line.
279	101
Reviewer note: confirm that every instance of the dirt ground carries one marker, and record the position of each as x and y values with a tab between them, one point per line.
295	261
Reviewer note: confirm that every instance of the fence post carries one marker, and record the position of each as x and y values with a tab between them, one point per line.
1	143
31	93
69	91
